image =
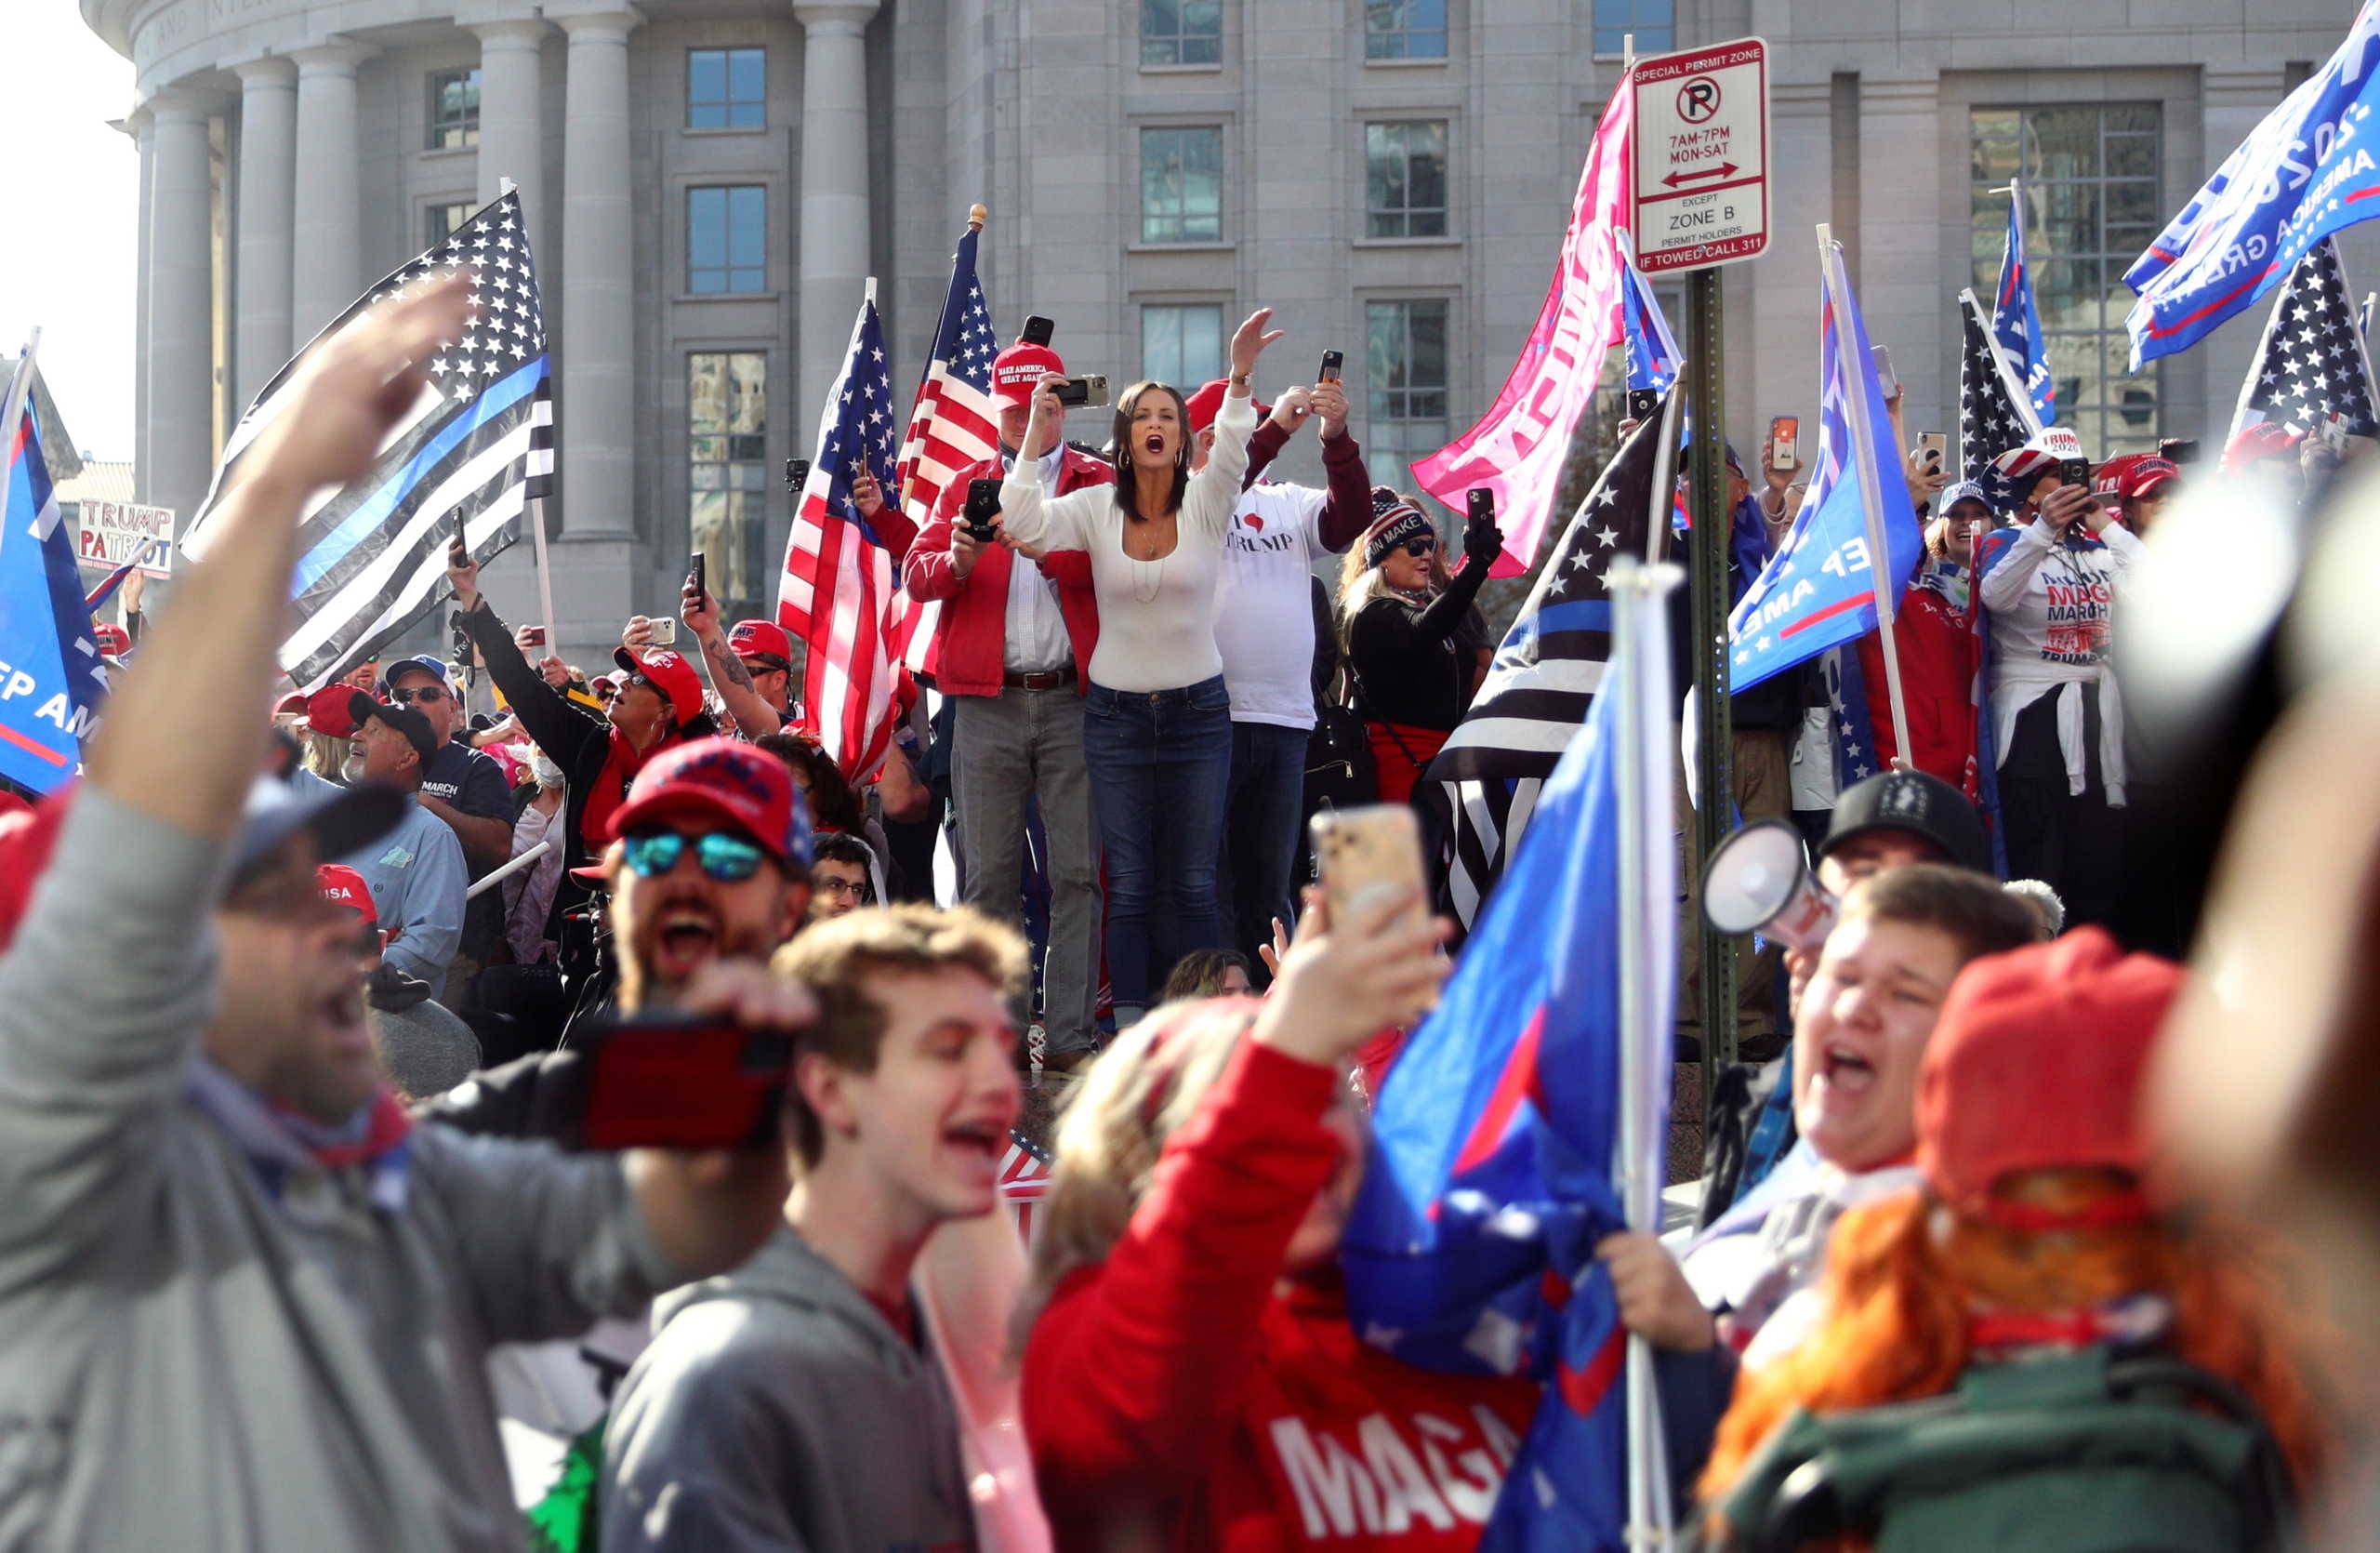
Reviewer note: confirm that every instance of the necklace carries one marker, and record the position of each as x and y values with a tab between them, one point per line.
1153	569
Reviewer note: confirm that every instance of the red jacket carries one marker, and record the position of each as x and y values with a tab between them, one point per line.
971	637
1170	1386
1934	640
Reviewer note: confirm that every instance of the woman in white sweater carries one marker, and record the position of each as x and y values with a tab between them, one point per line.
1157	720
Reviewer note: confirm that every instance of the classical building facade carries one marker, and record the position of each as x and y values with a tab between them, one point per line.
709	182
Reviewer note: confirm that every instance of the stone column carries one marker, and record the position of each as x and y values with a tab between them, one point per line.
326	247
834	189
268	184
1783	319
139	126
180	433
2201	385
598	338
1900	241
512	118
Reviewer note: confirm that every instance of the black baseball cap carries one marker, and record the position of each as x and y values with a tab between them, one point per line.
1924	806
403	719
341	820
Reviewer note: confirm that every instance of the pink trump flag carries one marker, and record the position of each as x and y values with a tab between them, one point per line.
1517	448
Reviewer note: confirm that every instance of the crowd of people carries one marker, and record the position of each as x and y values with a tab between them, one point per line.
308	1029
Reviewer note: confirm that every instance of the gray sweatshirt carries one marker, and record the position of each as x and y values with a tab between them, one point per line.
200	1351
777	1411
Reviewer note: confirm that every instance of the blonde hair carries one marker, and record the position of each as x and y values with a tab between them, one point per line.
833	959
322	754
1360	584
1152	1080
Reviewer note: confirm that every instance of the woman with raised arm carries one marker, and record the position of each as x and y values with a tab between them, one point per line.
1157	720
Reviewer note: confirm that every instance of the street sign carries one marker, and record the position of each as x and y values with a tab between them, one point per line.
115	532
1701	173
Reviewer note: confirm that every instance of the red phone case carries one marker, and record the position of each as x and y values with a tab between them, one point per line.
673	1084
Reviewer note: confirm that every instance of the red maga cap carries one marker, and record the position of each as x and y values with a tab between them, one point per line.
670	673
751	638
113	640
330	712
723	778
343	885
2037	1063
2131	475
1018	368
1202	406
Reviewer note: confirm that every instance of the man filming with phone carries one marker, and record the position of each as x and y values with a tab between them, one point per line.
1011	650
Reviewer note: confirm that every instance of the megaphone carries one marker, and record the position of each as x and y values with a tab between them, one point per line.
1759	880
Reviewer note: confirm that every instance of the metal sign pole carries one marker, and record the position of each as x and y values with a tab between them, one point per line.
1714	785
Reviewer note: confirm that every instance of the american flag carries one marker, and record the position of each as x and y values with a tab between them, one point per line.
1024	1177
472	451
837	581
952	427
1484	783
2312	361
1995	414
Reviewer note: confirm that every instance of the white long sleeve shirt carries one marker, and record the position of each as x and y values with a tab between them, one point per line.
1157	618
2052	610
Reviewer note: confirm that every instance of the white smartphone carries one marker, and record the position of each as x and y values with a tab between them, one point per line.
1933	447
1884	378
664	633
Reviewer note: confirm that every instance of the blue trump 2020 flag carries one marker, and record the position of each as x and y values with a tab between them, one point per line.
1471	1246
2015	322
2311	167
51	680
1820	590
1652	351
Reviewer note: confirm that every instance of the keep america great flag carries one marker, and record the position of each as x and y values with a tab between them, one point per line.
471	451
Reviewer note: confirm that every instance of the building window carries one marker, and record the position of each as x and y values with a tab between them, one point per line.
1404	29
727	240
727	484
727	88
1181	344
1181	185
443	221
1181	32
1405	177
1405	381
1653	22
2090	175
454	109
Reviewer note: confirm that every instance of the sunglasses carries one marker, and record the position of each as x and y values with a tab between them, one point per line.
429	695
766	663
1418	548
728	858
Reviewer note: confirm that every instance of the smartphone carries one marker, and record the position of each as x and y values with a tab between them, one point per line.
983	506
2334	432
532	636
2178	450
796	474
1784	442
1038	331
1884	378
1933	448
1089	390
1331	363
1368	852
697	574
1643	403
2074	472
665	632
670	1083
1480	502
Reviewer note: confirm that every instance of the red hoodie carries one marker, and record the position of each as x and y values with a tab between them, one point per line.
1171	1386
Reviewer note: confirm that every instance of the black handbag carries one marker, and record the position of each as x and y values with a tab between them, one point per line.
1339	770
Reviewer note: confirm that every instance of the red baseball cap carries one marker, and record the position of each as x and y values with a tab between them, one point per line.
2266	438
330	712
343	887
761	639
2037	1063
2133	474
113	640
671	674
291	705
723	778
1202	406
1018	368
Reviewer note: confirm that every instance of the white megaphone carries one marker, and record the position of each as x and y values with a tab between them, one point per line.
1760	881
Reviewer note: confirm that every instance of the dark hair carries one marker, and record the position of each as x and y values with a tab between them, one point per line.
833	805
1968	906
841	846
1199	973
1119	443
832	959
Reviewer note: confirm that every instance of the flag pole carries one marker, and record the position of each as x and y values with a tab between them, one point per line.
536	510
20	387
1863	451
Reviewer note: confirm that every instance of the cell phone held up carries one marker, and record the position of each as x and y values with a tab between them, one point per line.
983	506
1643	403
532	636
697	574
1333	362
2074	472
1369	854
673	1082
796	474
1932	449
1087	391
1038	331
1784	442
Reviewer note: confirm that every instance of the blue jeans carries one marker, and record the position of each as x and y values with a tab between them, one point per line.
1266	795
1159	760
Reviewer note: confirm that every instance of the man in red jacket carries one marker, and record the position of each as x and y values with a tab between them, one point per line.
1011	648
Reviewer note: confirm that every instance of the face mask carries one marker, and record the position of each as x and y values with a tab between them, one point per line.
547	774
351	770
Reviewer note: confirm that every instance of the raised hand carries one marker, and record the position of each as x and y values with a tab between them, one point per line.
1329	400
1339	987
1248	341
462	575
1291	410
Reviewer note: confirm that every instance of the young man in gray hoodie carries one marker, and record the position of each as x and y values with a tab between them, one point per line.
794	1403
244	1301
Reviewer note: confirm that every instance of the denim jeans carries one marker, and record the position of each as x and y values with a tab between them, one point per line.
1159	760
1266	795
